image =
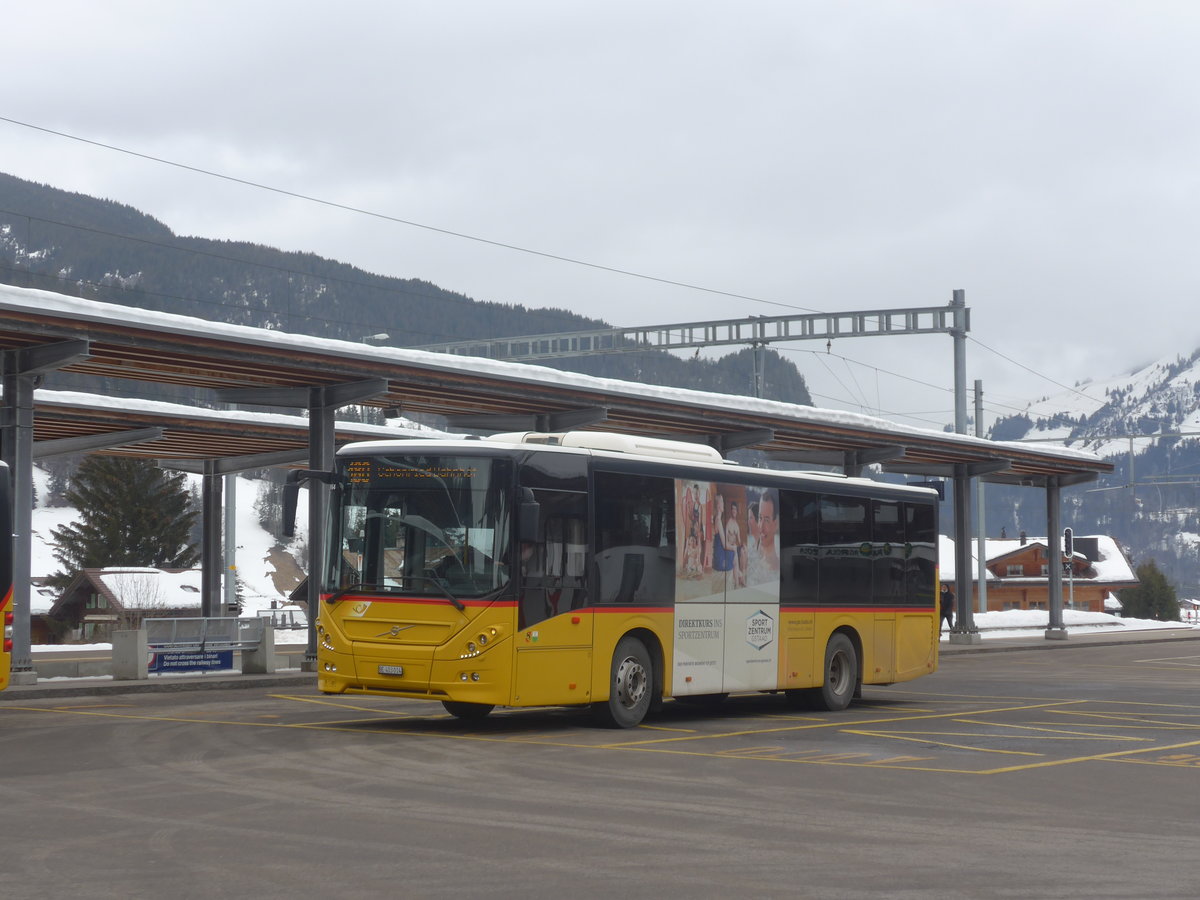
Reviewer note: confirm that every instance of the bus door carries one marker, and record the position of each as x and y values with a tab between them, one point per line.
917	630
888	586
553	656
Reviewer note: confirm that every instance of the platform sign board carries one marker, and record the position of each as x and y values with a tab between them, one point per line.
191	661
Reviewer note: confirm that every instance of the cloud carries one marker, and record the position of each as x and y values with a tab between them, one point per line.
819	156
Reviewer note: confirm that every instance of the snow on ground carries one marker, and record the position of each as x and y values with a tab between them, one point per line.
254	546
1013	623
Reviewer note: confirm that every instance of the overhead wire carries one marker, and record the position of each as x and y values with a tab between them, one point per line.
481	240
332	204
446	296
1031	371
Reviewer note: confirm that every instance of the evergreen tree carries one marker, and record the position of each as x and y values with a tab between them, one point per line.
131	513
1154	598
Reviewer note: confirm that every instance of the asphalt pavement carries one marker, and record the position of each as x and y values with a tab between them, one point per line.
290	678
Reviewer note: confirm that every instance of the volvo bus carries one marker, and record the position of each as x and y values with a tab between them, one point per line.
614	572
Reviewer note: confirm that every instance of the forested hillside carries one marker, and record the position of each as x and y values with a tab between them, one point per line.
105	250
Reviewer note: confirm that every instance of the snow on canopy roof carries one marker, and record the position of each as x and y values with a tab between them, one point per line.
81	310
77	400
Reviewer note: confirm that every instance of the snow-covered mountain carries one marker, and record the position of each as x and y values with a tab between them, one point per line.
1101	415
1147	422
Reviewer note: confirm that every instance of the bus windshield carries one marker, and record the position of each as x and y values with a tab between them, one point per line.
422	525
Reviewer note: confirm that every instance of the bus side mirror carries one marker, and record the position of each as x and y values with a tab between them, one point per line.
529	518
291	494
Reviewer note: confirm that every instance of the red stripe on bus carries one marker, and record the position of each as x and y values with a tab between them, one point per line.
856	609
423	601
627	609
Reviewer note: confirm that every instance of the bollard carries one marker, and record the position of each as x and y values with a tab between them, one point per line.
130	655
261	660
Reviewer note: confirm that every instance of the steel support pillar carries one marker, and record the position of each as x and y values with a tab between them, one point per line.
210	542
229	559
963	631
959	333
980	516
322	402
1056	630
22	371
760	368
320	456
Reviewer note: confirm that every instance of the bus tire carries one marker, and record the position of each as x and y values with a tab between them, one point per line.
630	686
467	711
841	674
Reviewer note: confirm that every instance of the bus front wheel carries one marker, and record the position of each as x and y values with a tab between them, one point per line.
630	686
467	711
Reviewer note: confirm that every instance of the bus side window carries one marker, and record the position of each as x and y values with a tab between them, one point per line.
921	568
552	569
889	567
845	572
799	542
635	552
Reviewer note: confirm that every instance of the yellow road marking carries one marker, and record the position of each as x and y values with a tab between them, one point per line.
1051	734
669	745
1116	755
842	724
752	751
665	728
322	702
1127	717
898	736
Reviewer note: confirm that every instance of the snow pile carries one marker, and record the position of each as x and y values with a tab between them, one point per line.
1012	623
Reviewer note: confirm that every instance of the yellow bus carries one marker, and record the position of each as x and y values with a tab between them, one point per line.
611	571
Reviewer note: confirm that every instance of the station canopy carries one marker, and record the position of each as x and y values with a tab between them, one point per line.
235	362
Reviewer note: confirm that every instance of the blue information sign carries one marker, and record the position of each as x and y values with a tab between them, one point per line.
191	661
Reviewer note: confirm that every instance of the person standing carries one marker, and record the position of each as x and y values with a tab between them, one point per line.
947	606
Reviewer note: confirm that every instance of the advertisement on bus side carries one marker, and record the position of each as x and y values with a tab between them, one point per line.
726	588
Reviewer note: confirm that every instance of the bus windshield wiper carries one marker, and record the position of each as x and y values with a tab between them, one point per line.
458	604
354	586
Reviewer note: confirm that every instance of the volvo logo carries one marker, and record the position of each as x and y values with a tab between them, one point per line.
395	630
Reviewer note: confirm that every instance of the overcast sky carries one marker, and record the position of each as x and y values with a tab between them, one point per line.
815	156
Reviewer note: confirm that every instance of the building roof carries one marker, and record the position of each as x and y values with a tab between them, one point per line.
1110	564
138	588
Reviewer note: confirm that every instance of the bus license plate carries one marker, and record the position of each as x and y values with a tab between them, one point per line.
391	670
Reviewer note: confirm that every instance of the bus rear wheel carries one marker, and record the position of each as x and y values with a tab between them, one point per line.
841	674
630	686
467	711
841	678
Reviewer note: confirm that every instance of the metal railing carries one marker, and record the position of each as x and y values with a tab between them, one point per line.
203	634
